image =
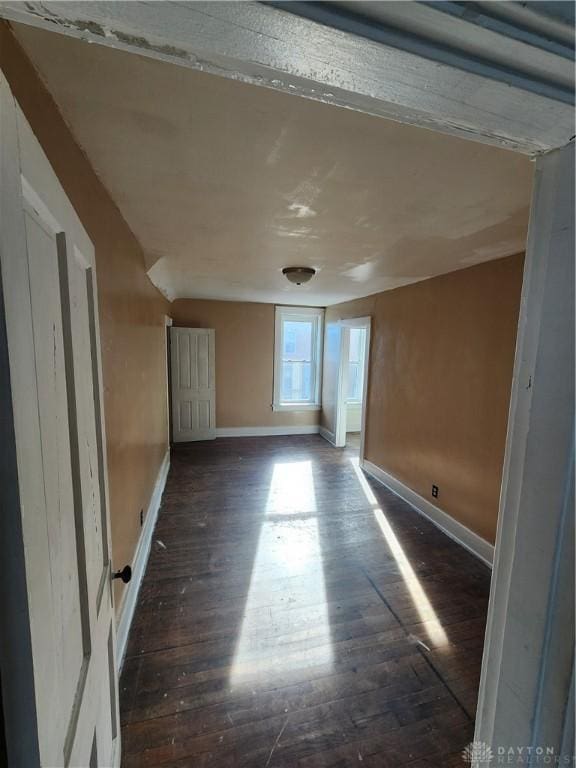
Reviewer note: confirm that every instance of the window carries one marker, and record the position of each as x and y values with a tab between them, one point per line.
356	364
297	358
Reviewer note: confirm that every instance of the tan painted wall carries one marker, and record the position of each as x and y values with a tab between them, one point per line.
440	373
131	314
244	361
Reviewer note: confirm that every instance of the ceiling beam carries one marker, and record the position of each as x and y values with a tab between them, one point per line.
488	42
269	46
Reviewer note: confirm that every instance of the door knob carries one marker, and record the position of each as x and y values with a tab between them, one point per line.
125	574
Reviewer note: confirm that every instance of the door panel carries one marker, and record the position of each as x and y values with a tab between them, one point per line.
193	384
75	275
51	315
332	372
59	633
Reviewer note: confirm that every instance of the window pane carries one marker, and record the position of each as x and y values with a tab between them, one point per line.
356	364
296	381
354	381
296	357
297	338
357	336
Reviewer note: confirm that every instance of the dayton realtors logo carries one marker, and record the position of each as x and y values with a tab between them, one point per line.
480	755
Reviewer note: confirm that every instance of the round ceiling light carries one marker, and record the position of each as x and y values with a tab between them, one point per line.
299	275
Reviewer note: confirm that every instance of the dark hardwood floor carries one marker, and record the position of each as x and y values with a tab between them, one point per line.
294	613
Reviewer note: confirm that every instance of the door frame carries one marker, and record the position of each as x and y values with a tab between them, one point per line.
16	663
16	659
168	322
341	405
377	75
527	667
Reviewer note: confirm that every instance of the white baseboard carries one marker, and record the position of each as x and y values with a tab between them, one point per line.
451	527
139	562
327	435
312	429
116	753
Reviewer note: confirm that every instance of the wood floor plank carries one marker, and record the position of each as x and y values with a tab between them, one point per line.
279	625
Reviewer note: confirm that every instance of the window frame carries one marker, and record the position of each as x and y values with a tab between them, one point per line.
302	314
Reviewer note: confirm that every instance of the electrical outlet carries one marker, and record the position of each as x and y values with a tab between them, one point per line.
141	518
435	491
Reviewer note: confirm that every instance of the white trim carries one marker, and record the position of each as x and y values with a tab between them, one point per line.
39	206
116	753
529	648
128	605
357	322
167	325
297	407
311	429
316	315
368	327
298	311
328	436
459	533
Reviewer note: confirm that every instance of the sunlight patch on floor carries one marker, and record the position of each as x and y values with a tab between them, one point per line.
292	489
421	602
285	624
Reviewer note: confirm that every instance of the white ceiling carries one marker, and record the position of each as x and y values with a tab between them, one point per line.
225	183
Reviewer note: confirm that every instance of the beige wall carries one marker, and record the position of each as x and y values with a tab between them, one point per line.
244	361
440	372
131	314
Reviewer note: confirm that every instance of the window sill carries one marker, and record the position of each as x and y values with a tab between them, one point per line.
296	407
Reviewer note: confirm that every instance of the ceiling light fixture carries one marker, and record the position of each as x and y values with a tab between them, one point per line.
299	275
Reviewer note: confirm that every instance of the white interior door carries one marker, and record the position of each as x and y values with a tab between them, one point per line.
51	313
341	410
332	382
193	377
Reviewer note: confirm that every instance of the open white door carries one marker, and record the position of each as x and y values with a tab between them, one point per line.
52	346
333	383
193	388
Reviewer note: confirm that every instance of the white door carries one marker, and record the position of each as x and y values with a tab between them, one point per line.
332	383
193	384
51	313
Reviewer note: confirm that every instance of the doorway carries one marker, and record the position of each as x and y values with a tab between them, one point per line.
353	384
524	388
353	396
